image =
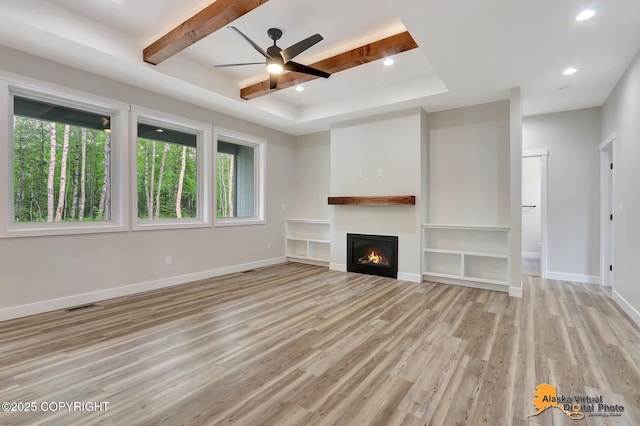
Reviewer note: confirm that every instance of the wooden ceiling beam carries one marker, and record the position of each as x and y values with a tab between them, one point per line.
215	16
368	53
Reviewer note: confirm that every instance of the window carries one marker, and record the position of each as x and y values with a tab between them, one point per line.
170	168
239	179
61	164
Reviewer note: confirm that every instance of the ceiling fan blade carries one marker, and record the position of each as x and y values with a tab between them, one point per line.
237	65
251	42
273	81
296	49
294	66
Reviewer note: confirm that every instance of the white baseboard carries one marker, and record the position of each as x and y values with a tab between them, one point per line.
530	255
627	308
466	283
307	261
340	267
562	276
515	292
406	276
403	276
82	299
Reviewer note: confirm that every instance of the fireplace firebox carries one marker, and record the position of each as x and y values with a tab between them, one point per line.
373	254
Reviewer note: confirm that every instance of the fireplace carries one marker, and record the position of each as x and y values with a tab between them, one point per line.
373	254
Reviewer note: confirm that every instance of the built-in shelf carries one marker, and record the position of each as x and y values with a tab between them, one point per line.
381	200
474	254
308	240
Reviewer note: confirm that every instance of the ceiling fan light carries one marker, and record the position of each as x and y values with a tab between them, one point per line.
274	68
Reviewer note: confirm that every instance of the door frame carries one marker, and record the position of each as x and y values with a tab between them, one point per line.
544	157
607	208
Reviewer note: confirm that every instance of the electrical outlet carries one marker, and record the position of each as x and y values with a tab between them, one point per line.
167	260
268	246
379	172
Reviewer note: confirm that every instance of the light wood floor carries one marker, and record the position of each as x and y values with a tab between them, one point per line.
298	344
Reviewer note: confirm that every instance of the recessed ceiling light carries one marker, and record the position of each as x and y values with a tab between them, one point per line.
585	14
299	89
569	71
388	61
159	130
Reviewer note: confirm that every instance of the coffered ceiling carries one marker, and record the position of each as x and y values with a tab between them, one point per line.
468	52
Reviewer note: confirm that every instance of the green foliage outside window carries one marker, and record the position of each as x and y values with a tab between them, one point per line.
59	172
167	180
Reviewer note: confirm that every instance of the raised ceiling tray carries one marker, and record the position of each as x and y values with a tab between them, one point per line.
376	200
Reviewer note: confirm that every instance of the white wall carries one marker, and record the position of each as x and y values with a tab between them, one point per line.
40	269
469	165
312	177
621	115
573	190
391	144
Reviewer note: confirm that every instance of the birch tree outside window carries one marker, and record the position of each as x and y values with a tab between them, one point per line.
167	173
239	178
171	184
61	163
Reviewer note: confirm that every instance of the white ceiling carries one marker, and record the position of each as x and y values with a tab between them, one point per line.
469	52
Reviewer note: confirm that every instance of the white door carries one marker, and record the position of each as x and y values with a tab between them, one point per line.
531	215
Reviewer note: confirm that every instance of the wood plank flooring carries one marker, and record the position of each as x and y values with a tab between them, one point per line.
297	344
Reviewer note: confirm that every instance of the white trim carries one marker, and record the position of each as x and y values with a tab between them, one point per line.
260	166
465	283
402	276
96	296
515	292
578	278
340	267
47	92
204	174
544	202
607	207
6	166
530	255
535	152
466	227
406	276
307	261
627	307
607	141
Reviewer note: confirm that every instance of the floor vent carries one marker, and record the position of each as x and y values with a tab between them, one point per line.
250	270
77	308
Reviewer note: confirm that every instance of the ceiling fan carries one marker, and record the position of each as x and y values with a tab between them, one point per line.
278	59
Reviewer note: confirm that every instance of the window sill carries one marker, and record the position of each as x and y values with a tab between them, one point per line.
238	222
37	230
150	224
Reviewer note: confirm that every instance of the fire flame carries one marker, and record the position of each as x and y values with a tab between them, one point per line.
375	257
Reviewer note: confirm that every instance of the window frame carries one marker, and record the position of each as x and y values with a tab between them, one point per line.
45	92
259	146
203	143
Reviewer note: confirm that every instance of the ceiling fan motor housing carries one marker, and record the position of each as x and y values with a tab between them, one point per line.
274	34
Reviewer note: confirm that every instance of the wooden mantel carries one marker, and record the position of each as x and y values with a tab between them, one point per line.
376	200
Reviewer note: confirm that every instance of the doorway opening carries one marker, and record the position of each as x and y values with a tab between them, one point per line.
534	213
607	219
